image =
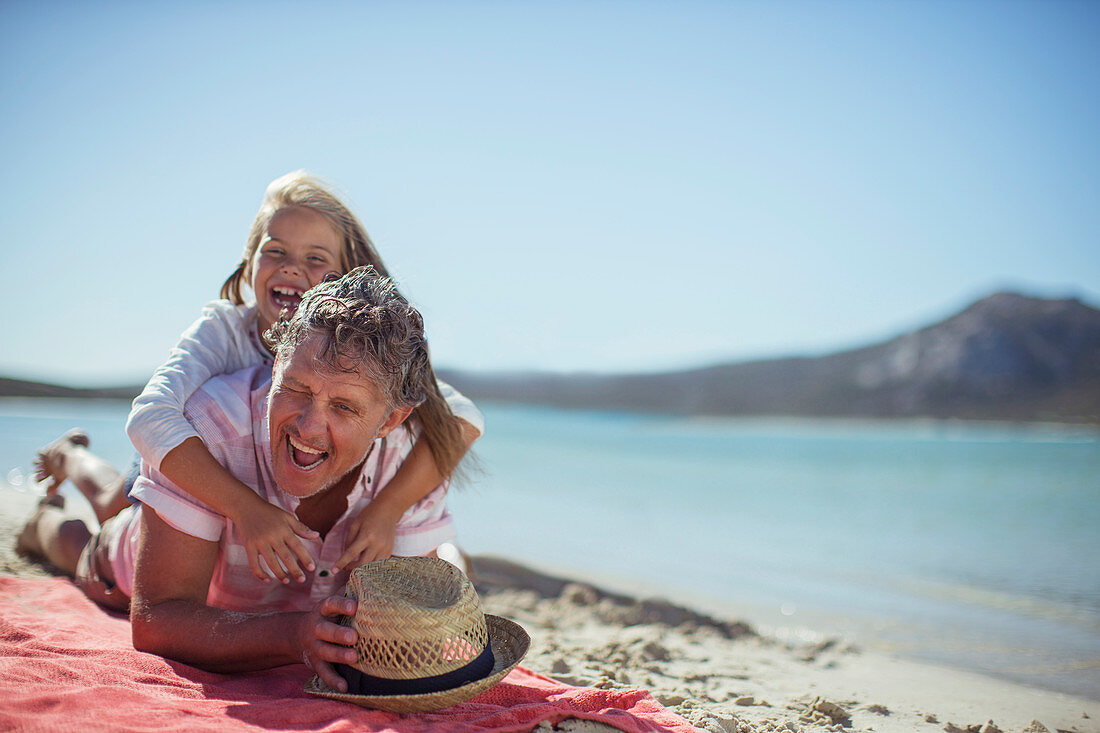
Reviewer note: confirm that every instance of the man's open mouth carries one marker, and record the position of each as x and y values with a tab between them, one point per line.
286	297
302	456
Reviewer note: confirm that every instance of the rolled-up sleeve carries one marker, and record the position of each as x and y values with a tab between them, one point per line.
221	414
462	406
425	526
179	509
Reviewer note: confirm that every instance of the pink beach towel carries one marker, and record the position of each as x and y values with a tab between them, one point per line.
65	664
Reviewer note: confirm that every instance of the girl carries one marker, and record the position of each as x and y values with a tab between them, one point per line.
302	233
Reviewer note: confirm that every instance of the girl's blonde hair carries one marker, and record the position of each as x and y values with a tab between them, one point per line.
440	428
301	189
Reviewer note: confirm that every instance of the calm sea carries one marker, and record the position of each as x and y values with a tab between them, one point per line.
972	545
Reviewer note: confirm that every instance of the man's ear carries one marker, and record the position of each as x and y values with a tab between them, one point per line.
395	418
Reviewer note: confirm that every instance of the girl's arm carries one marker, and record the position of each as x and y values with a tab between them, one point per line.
267	531
464	409
218	342
372	532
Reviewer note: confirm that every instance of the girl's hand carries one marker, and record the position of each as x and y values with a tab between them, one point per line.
370	536
323	642
272	533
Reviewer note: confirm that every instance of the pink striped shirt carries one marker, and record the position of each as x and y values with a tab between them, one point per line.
230	415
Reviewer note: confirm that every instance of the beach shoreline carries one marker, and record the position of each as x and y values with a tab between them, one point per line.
721	674
804	626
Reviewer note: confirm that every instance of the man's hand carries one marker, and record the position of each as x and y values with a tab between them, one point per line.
272	533
324	642
370	535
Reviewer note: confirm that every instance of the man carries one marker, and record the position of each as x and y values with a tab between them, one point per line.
318	437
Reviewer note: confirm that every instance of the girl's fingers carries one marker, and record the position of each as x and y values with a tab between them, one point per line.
290	562
302	530
370	555
345	560
301	556
274	565
356	554
254	564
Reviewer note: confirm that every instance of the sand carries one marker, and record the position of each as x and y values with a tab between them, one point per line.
721	674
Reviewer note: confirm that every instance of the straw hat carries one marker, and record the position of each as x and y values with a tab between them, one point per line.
424	642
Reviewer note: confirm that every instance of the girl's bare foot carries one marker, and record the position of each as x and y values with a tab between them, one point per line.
49	464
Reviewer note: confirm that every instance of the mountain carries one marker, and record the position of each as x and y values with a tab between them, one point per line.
1006	357
23	388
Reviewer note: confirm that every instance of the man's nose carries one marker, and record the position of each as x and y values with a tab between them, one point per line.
311	422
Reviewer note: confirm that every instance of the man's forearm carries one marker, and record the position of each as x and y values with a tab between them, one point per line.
169	615
215	639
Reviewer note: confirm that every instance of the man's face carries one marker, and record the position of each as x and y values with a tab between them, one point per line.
322	421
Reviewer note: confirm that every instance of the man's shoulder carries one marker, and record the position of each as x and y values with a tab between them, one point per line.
225	405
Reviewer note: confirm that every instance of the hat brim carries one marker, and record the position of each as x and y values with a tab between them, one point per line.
509	643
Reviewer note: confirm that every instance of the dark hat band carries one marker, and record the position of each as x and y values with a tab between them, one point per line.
361	683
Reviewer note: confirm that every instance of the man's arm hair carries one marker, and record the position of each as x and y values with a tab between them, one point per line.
170	618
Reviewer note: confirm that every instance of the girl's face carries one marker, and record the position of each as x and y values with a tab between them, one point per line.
298	249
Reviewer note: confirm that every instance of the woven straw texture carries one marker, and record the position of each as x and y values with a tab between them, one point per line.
510	643
421	617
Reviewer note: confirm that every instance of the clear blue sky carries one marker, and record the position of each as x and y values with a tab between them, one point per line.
568	186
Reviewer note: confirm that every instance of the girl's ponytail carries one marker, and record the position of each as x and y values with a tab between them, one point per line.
231	288
440	428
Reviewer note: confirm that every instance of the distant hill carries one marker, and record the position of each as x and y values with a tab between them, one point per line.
1006	357
22	388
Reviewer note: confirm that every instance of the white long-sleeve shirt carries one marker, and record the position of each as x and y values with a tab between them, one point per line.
223	340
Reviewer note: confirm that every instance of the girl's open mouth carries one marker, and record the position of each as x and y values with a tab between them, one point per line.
286	297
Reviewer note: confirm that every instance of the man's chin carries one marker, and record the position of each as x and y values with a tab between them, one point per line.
301	485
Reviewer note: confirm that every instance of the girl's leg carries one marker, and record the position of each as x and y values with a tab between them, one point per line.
54	534
68	457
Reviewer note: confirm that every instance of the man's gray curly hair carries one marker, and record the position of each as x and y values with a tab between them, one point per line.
365	324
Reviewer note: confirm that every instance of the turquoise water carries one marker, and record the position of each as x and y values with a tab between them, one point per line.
972	545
